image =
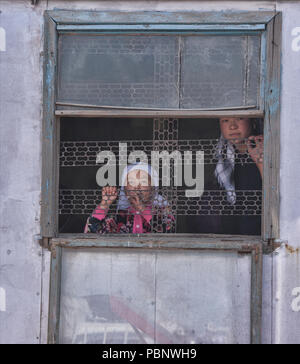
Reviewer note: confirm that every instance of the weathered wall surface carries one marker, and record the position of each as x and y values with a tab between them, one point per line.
24	267
20	178
286	266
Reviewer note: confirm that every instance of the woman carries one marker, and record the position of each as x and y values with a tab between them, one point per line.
140	208
240	168
239	156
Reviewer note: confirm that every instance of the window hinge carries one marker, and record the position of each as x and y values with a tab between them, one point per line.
270	245
45	242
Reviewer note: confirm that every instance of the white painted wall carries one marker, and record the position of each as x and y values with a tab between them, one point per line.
286	277
20	177
24	267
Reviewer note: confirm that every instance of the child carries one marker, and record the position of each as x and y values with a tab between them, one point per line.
140	208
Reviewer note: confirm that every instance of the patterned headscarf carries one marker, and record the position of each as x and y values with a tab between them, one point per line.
225	167
158	200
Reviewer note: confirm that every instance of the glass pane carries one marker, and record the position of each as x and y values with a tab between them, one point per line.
139	71
155	297
206	71
219	71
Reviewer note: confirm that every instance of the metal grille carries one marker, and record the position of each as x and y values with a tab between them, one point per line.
211	203
165	137
84	153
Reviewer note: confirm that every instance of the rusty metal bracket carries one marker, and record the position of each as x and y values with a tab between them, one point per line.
270	245
45	243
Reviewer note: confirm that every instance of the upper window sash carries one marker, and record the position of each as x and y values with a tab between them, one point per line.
206	23
200	71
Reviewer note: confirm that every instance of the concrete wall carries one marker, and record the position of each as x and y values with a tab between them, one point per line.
286	267
24	266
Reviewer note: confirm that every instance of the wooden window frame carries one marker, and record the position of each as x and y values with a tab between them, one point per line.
269	24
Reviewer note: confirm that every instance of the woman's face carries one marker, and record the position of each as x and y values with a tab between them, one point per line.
236	129
138	186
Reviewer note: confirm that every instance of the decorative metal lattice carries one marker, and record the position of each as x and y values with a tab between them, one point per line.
84	153
176	201
210	203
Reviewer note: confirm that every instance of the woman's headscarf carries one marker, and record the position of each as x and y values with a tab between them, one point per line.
158	200
224	170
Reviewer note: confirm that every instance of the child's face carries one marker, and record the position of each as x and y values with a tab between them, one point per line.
236	129
138	186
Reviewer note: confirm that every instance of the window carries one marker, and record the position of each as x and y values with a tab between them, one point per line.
136	85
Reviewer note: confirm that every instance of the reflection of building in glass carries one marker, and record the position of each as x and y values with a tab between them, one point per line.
105	333
98	289
102	319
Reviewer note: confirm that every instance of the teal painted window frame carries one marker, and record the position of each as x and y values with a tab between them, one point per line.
269	24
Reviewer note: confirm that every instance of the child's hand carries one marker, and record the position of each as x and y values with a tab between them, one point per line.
136	201
256	149
109	195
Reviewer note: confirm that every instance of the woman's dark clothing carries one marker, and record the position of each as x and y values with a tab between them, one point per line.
247	178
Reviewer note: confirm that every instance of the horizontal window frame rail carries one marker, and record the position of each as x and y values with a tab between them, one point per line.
247	246
165	33
163	241
159	113
170	28
113	107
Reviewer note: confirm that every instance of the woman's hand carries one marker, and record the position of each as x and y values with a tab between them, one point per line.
109	195
255	146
